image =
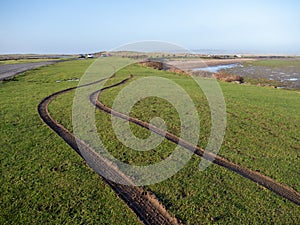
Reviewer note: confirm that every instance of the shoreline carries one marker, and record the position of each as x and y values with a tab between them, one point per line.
199	63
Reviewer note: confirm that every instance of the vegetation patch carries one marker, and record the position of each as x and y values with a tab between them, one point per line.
153	64
44	181
226	77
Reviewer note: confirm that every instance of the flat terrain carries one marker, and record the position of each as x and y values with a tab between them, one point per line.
44	181
286	72
279	72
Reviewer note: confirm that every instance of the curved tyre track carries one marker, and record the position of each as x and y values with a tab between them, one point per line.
145	204
267	182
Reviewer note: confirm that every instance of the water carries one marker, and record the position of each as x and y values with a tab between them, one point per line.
288	76
293	79
214	69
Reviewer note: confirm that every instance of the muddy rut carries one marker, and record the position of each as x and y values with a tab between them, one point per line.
255	176
145	204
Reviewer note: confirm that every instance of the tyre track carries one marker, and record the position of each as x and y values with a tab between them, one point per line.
143	203
267	182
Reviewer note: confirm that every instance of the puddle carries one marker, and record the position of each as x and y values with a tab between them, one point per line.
293	79
69	80
214	69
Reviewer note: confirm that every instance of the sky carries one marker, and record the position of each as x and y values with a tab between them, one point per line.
72	26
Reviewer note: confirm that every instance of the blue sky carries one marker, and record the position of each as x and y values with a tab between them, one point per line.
72	26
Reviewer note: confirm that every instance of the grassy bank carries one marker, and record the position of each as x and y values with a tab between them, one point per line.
45	181
262	134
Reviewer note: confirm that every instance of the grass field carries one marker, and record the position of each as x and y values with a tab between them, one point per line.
273	63
44	181
262	134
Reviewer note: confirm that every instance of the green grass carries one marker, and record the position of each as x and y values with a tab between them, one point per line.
262	82
262	134
275	63
41	173
43	180
262	123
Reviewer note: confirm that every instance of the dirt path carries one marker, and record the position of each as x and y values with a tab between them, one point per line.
10	70
145	204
